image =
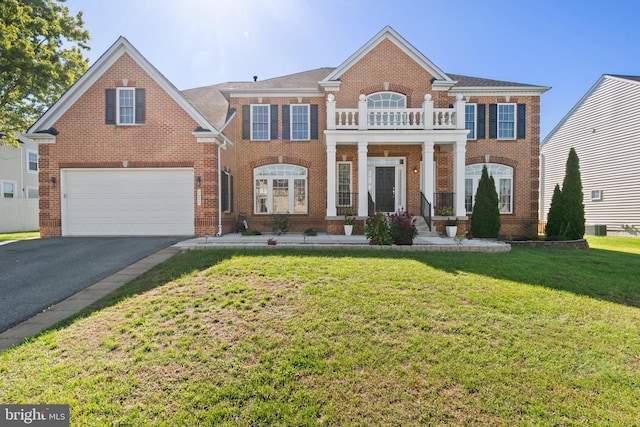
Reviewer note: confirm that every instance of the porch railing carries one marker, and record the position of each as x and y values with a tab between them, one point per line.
346	204
372	205
443	203
425	209
364	118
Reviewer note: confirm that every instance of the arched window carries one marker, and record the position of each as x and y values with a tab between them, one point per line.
280	188
391	102
503	177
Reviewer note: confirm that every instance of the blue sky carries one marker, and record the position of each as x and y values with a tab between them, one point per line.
564	44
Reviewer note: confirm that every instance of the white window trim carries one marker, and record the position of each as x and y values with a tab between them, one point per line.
268	106
387	92
476	179
37	162
308	135
475	120
118	91
33	189
15	188
597	195
515	121
350	183
291	188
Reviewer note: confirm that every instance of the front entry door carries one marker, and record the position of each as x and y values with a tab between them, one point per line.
385	189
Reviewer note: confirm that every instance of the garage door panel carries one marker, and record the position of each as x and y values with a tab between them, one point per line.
128	202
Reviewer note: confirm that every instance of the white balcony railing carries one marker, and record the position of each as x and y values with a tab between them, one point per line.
426	117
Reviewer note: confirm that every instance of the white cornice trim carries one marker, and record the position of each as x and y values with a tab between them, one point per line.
119	48
499	90
273	93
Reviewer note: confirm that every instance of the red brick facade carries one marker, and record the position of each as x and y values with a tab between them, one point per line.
166	140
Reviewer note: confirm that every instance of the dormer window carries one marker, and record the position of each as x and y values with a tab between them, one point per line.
125	106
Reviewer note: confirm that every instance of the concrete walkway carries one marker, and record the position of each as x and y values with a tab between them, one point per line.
91	294
341	242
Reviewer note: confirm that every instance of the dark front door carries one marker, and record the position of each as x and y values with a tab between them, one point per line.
385	189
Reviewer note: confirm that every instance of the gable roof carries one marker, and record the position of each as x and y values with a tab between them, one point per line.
387	33
630	79
120	47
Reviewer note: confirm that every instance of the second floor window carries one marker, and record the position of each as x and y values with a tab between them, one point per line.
470	120
32	157
260	122
506	121
125	106
300	122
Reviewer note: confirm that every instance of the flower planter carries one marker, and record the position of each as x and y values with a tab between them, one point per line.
452	230
348	229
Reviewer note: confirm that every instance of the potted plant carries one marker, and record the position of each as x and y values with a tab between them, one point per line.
451	225
445	210
348	222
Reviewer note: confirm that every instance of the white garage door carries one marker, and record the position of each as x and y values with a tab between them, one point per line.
127	202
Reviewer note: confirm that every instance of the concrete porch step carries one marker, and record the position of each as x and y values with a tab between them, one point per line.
423	228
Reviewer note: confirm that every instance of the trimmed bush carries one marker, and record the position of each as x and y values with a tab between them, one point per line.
485	221
376	229
402	226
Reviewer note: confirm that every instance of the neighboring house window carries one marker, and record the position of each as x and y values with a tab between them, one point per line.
33	193
344	184
299	122
8	189
260	122
470	120
503	178
125	106
596	195
280	188
226	192
32	161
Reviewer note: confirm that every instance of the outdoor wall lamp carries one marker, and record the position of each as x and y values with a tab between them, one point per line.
52	180
198	180
415	169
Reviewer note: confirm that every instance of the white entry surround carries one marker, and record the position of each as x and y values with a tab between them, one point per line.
127	202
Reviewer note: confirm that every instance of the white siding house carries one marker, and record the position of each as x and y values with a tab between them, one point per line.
19	187
604	129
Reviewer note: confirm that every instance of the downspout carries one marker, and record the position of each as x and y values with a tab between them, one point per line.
223	145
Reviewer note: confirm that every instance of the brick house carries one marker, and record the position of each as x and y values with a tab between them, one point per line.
387	130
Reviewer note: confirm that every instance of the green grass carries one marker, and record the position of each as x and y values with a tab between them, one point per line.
19	235
284	337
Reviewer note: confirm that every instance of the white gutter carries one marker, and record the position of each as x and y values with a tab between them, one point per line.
223	145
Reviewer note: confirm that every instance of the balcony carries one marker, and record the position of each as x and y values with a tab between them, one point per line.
425	118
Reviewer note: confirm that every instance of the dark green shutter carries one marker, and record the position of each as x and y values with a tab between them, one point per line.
230	193
314	121
481	125
110	106
274	122
522	118
493	120
224	192
286	125
246	121
140	106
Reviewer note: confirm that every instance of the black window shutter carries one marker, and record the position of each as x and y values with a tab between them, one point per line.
274	122
110	106
246	122
224	200
481	125
230	193
140	105
314	121
286	126
522	117
493	120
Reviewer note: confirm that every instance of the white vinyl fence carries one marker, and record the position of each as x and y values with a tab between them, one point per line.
19	215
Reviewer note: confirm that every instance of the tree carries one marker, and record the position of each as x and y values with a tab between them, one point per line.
565	219
41	56
554	217
485	221
572	199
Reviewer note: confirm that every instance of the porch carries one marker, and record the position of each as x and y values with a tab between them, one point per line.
382	159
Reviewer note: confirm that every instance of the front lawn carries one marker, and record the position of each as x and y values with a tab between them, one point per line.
19	235
284	337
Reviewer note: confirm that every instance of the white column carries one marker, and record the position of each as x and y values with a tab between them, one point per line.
331	177
428	186
331	112
459	149
460	107
363	195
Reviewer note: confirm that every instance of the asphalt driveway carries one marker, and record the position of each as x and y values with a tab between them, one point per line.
35	274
